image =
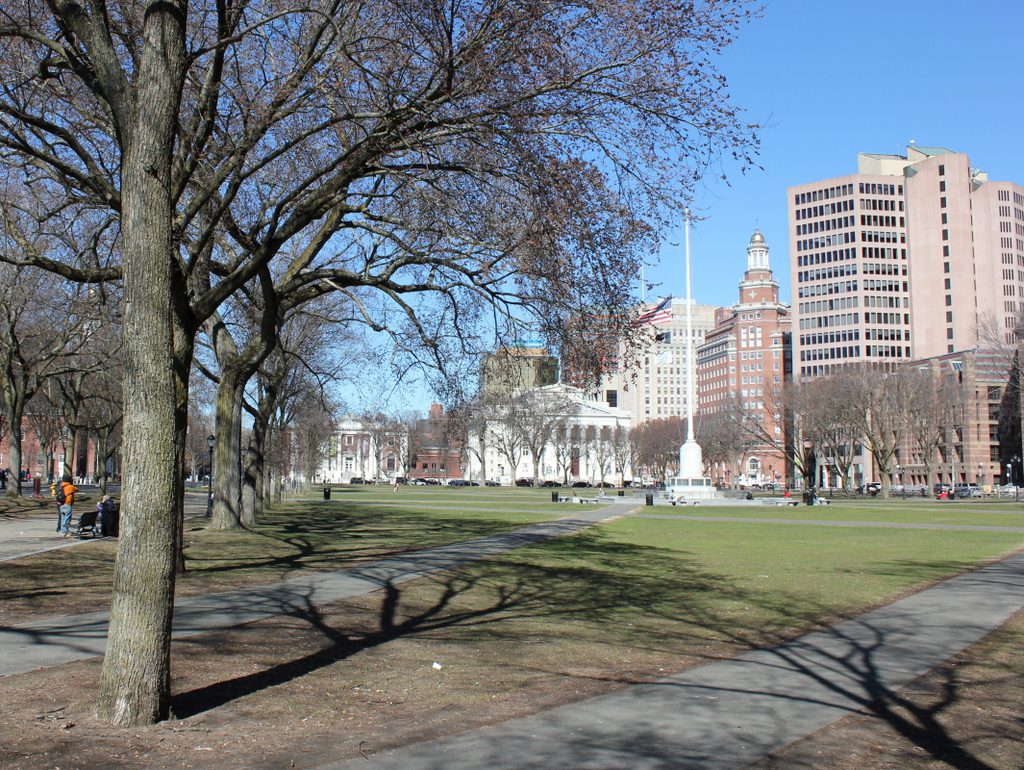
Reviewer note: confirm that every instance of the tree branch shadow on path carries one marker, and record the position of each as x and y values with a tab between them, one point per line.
850	671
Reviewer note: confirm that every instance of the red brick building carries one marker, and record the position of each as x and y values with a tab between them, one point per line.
743	363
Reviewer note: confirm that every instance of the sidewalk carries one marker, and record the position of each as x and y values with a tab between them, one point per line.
30	535
62	639
725	715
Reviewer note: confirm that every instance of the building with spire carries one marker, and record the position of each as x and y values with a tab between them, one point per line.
742	364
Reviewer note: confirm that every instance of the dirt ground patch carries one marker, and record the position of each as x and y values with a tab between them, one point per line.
338	694
359	677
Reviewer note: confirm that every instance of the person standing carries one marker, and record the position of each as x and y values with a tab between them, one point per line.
65	493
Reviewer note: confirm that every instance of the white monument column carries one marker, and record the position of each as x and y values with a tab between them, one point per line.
691	458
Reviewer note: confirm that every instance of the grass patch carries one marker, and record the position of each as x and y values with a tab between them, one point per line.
295	537
917	513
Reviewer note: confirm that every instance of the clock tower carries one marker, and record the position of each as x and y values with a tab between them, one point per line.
742	365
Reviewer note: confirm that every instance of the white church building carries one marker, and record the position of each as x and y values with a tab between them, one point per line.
553	433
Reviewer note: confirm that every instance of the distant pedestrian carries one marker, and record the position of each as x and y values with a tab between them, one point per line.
3	478
103	510
396	483
65	494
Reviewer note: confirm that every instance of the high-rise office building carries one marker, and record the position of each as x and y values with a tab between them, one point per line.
913	256
848	270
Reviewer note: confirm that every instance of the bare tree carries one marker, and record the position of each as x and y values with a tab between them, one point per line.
622	450
930	414
724	436
658	443
879	402
468	151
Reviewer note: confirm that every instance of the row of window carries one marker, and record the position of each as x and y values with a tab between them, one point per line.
827	321
830	338
821	305
826	225
822	289
824	210
826	193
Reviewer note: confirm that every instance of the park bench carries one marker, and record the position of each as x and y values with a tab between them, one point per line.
780	501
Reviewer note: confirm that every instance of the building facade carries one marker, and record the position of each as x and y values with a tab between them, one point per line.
913	256
969	452
654	384
374	450
512	370
848	270
588	441
743	363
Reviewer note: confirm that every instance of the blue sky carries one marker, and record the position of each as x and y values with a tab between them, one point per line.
831	79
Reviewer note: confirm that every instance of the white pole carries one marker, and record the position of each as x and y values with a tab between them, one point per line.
690	368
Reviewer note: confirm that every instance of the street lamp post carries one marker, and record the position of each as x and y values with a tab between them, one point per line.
981	473
1016	487
210	441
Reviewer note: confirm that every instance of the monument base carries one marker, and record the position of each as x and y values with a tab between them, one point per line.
691	489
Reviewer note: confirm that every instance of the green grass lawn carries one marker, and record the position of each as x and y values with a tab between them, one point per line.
760	576
896	512
663	583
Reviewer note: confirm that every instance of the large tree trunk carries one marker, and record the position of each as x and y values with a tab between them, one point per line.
184	340
135	683
14	459
253	470
226	459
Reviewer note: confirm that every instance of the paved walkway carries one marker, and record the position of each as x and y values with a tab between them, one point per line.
718	716
723	716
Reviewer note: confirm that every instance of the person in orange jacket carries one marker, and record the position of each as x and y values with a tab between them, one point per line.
65	494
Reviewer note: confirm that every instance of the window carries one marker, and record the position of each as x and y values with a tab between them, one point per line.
612	398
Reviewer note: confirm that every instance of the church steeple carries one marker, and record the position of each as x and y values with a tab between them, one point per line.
757	253
758	286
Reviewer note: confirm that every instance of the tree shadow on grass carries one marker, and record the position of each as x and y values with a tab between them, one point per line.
318	536
635	593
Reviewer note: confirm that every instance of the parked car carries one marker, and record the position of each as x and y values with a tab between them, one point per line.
968	490
357	480
492	483
524	482
549	483
458	483
580	485
401	480
419	482
433	482
768	486
871	488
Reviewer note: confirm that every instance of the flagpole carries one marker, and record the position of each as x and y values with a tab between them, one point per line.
690	368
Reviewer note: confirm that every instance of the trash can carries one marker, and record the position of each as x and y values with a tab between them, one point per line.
554	497
327	493
649	499
622	493
111	524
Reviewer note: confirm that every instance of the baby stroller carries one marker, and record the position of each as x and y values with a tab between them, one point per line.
87	524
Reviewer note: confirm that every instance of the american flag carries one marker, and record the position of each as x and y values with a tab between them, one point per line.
659	315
